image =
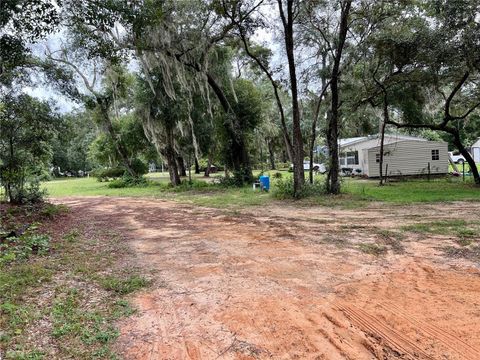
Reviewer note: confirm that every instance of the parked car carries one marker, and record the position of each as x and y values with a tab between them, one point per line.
456	157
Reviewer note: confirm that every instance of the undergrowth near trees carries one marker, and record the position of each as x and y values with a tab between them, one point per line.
61	288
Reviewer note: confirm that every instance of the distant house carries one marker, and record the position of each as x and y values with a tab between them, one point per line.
475	151
403	155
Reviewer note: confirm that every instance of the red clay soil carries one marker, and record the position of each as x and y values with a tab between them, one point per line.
293	284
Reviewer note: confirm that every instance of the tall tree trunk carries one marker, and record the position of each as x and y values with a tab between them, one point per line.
209	163
170	155
181	166
333	179
386	119
197	166
468	157
298	153
239	158
315	117
271	154
8	185
119	147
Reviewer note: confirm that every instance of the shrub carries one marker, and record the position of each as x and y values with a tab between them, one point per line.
139	167
36	244
284	189
283	165
51	210
277	175
191	185
128	181
29	194
20	248
230	181
108	173
124	286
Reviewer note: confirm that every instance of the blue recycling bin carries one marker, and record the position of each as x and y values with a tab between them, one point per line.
265	182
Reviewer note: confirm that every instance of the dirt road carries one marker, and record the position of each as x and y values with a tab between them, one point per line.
294	283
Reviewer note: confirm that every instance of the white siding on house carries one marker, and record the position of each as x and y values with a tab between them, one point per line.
365	162
409	157
363	144
476	151
476	154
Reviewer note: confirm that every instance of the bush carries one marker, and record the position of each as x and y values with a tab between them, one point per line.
230	181
128	181
30	194
139	167
51	210
21	248
283	189
108	173
284	165
277	175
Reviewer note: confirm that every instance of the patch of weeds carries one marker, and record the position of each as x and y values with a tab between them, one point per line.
464	241
52	210
72	322
338	241
392	239
14	281
122	308
23	247
72	235
435	227
465	233
284	189
470	253
17	316
64	314
124	286
356	226
24	355
76	329
373	249
385	233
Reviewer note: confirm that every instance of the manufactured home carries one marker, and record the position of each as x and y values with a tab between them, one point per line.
475	151
403	155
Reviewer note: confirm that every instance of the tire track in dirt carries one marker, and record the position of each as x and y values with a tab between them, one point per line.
454	343
249	287
378	329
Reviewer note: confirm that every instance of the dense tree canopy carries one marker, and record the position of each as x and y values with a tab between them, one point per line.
234	84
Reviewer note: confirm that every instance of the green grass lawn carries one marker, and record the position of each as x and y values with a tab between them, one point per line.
355	191
200	193
413	191
63	282
460	168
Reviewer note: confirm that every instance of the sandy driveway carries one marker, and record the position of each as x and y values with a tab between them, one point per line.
292	283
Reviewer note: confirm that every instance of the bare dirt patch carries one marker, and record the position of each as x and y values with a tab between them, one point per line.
290	283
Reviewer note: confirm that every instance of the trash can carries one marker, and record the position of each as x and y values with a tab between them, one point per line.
265	183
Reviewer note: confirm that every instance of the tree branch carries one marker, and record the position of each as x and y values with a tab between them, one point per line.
456	89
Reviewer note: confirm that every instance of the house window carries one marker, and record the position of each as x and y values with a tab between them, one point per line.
435	155
352	158
349	158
